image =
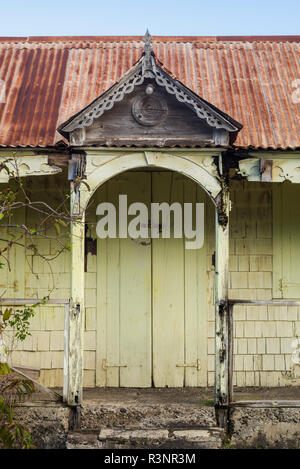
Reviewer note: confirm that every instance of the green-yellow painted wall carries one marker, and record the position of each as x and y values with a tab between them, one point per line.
263	335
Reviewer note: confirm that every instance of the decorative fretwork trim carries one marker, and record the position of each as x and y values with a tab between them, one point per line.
147	68
106	103
202	111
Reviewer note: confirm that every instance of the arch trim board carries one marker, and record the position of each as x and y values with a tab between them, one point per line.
103	166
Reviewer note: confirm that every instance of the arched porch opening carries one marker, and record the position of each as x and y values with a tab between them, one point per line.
99	171
152	304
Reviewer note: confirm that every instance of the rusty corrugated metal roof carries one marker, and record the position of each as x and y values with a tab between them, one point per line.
48	79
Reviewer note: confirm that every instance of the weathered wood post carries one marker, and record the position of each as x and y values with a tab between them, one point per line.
74	321
222	315
66	352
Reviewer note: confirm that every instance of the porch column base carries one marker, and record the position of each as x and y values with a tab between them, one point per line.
221	415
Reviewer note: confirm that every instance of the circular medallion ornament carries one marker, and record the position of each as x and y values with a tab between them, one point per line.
149	110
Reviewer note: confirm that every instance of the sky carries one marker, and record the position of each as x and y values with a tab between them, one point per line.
162	17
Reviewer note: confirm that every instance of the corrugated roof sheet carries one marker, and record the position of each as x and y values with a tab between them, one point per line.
48	79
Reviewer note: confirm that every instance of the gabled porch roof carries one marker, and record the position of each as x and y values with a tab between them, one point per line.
149	67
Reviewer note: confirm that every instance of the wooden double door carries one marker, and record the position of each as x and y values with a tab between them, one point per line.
151	294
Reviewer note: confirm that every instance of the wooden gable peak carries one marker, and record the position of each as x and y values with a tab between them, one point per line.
147	67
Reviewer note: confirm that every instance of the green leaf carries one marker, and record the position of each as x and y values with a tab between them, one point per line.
7	314
57	228
4	369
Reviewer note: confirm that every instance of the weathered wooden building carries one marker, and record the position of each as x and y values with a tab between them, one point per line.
178	119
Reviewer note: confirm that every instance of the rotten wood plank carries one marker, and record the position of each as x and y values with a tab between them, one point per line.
265	302
38	385
74	342
267	403
26	301
58	159
32	373
47	404
66	352
230	353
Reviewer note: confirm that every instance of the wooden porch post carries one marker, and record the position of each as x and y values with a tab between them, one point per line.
222	314
75	319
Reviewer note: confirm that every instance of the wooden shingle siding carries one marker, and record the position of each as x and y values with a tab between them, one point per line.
263	334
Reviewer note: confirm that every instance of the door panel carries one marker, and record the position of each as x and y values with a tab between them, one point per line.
286	248
151	295
290	238
195	302
124	296
168	292
178	304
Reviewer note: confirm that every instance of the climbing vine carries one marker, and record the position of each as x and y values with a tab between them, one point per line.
13	389
15	321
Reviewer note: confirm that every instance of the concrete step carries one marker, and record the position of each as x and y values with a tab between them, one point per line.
161	438
144	415
82	440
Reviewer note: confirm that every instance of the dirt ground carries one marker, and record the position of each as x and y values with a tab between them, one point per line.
167	410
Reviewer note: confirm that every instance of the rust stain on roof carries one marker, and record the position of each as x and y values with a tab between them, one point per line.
49	79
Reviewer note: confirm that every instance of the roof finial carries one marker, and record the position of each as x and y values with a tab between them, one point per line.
147	40
147	59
